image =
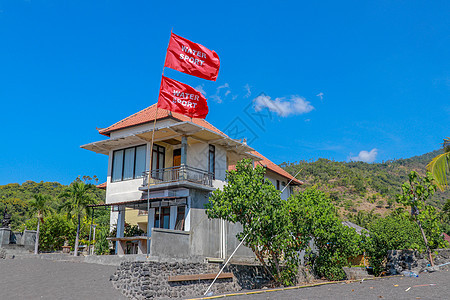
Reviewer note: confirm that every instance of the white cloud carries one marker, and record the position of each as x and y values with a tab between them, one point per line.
201	89
217	96
223	86
365	156
296	105
249	92
320	95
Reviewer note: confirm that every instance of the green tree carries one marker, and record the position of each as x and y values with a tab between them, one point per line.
363	218
445	217
55	230
277	230
414	195
77	198
440	166
313	215
255	203
40	204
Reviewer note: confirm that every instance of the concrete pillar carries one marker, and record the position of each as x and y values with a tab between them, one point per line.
183	150
120	229
5	236
173	216
150	224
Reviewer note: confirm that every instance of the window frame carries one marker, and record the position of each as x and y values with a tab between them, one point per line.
161	220
123	163
212	151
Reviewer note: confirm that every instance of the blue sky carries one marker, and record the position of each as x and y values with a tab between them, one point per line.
341	77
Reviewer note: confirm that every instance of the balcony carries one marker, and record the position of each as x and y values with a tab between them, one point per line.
178	176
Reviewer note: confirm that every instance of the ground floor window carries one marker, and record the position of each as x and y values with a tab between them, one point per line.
181	211
162	217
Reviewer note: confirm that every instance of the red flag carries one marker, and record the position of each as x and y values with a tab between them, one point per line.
192	58
182	98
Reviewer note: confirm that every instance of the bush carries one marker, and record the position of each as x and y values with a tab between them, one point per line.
54	231
394	232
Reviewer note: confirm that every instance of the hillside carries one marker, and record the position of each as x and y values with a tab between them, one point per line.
16	196
356	186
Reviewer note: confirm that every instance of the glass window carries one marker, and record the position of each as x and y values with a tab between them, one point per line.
163	220
140	166
179	225
117	165
129	163
158	161
166	217
212	160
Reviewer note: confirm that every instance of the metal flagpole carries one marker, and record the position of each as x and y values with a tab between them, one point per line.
148	179
151	158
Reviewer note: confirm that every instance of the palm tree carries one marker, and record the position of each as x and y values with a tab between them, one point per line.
78	197
440	166
39	203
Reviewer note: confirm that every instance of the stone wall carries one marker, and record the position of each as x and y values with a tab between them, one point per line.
411	260
143	280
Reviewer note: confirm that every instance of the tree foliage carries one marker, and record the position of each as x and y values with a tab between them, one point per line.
17	196
277	230
313	214
255	203
440	166
415	193
78	197
40	204
393	232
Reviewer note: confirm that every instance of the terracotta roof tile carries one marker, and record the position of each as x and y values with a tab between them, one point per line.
265	162
148	115
102	186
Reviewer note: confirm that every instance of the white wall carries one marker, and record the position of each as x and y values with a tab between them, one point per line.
197	157
273	177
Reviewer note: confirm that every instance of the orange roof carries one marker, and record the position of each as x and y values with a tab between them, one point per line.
102	186
148	115
265	162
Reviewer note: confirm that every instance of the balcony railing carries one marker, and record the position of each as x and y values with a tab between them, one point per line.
177	174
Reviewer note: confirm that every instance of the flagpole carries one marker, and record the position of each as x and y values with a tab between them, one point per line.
151	156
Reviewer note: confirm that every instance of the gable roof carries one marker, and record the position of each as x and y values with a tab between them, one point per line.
148	115
265	162
102	186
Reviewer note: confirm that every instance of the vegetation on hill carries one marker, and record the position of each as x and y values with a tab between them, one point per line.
57	227
359	188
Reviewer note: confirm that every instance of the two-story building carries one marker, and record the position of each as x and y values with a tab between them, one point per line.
190	158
